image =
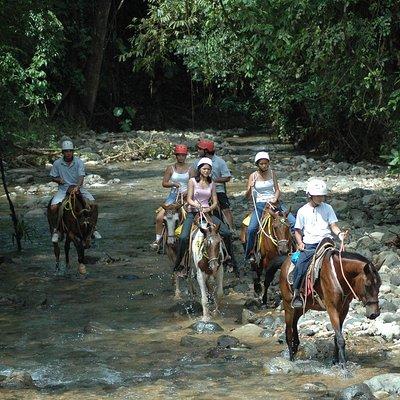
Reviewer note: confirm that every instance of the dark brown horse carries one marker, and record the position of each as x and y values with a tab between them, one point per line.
274	241
77	222
342	277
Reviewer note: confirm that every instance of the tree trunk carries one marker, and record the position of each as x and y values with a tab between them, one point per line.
14	218
95	59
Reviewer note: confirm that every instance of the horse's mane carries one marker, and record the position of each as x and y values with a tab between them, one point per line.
353	256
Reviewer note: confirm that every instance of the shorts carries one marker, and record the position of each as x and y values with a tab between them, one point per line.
223	201
60	196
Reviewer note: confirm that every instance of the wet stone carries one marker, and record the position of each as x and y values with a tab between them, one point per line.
206	327
186	308
253	304
356	392
18	380
227	342
192	341
96	327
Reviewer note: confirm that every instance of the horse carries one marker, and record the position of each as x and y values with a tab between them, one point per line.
172	217
274	241
342	277
77	221
208	258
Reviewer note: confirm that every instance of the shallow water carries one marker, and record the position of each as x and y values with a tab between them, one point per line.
113	335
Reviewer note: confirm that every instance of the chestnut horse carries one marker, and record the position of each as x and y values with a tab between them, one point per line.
77	223
343	276
274	241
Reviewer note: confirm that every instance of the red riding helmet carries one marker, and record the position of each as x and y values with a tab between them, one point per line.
205	144
180	149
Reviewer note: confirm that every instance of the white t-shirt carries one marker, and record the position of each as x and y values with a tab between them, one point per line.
315	222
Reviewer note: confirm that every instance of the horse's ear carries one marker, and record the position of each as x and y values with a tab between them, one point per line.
367	269
288	212
217	226
379	266
164	206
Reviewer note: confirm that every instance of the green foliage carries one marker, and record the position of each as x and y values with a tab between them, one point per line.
125	116
321	72
27	56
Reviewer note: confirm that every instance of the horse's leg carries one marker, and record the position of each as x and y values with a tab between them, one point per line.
295	340
219	288
340	344
257	271
289	330
81	256
56	249
66	250
269	277
201	279
342	316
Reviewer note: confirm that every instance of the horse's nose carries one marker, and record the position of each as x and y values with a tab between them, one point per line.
373	314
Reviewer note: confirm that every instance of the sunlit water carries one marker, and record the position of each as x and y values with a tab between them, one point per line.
115	334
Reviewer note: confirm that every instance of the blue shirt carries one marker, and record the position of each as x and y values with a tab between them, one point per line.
219	170
70	173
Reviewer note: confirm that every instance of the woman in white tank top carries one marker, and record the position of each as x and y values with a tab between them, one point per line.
262	186
176	177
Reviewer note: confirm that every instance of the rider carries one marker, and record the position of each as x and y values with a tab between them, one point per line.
263	190
314	222
66	171
220	175
202	192
176	177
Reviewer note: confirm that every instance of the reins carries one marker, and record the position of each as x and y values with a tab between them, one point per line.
341	267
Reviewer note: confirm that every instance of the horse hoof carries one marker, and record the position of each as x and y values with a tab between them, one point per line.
82	269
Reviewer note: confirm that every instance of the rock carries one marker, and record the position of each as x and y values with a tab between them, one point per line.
248	330
388	382
186	308
93	180
359	391
280	365
389	258
96	327
395	280
267	333
227	342
192	341
252	304
206	327
25	179
18	380
248	316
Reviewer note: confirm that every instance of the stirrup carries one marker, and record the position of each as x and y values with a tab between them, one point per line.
297	301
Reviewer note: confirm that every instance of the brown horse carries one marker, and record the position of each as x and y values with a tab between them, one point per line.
77	222
342	276
274	241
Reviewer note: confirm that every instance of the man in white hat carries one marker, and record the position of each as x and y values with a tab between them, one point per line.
315	221
66	171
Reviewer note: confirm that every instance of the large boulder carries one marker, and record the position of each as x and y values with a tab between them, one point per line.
389	383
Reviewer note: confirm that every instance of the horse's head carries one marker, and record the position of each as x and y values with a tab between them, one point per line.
212	245
281	231
171	218
86	226
370	290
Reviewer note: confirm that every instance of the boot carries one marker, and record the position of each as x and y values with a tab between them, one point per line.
297	301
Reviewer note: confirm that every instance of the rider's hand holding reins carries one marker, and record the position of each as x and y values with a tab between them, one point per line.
343	235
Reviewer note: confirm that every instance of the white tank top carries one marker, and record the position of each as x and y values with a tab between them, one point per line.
264	190
181	178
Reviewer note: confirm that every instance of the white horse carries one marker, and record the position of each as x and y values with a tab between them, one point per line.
172	218
208	256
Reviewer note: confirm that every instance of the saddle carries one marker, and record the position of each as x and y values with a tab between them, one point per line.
325	248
